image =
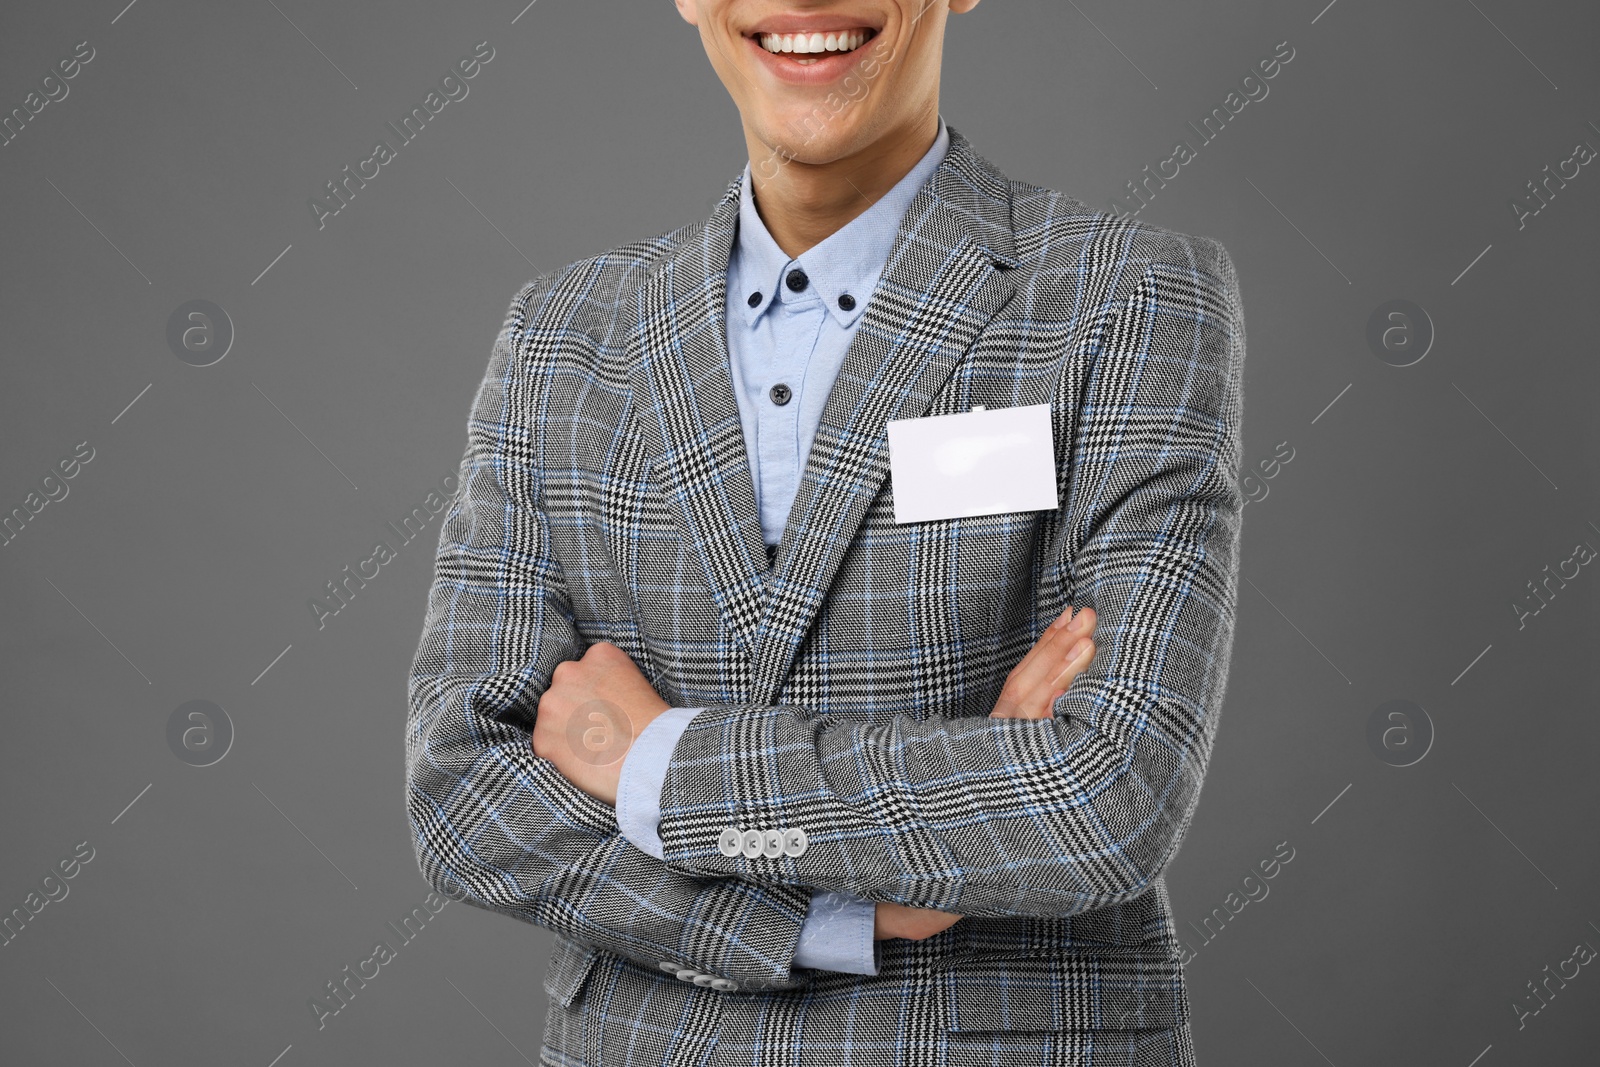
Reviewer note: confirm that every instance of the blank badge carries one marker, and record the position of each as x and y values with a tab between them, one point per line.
977	462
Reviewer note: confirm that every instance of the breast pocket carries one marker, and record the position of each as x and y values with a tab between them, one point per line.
954	600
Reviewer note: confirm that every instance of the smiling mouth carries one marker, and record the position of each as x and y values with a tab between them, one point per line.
807	48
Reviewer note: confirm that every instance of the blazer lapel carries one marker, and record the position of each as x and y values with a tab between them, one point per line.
683	374
946	277
948	273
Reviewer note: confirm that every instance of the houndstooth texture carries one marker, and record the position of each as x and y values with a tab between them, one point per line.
606	495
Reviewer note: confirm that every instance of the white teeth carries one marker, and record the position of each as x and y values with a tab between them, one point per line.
803	43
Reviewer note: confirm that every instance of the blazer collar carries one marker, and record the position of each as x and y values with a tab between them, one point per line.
947	275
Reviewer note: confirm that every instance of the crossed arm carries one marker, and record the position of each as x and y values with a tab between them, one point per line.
501	827
977	816
604	698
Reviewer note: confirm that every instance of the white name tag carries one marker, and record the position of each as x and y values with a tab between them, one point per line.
972	463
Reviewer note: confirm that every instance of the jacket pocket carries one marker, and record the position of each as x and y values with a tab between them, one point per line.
1063	991
569	967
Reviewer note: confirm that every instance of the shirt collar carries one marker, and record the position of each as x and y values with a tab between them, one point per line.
848	262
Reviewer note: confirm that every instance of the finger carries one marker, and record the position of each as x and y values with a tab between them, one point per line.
1076	665
1046	648
1034	702
1036	706
1076	661
1007	708
1040	704
1070	624
1024	695
1043	661
1029	705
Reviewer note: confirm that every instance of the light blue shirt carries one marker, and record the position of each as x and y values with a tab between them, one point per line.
789	324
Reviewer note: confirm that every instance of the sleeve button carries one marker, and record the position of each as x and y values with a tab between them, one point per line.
754	841
772	844
794	841
731	843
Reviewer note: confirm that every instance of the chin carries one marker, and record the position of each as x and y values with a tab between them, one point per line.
804	135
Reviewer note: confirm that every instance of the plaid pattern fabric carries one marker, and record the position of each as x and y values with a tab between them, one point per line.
606	495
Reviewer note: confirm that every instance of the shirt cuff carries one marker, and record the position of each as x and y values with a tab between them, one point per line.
644	769
837	934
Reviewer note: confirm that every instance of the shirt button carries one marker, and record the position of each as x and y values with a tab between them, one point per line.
754	841
847	302
794	841
797	280
780	394
755	298
731	843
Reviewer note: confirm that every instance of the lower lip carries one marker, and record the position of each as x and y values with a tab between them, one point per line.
829	66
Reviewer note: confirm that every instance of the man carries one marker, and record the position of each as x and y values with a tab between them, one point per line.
798	772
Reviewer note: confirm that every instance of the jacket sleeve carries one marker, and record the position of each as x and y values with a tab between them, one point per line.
838	932
1048	817
497	826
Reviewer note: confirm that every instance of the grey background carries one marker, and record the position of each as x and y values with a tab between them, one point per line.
1383	564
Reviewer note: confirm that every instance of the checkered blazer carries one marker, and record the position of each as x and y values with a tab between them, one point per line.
606	495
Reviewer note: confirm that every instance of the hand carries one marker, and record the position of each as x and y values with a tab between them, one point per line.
913	924
1059	656
587	720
